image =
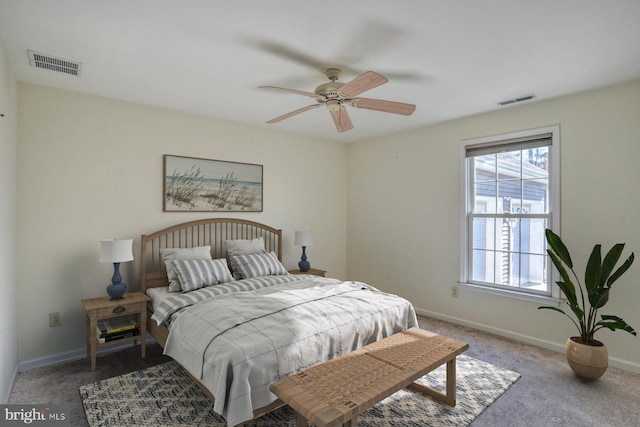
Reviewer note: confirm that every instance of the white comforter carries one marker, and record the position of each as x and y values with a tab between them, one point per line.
237	345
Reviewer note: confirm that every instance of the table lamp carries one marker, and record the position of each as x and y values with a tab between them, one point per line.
304	239
116	251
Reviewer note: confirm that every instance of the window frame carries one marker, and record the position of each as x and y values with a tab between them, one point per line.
554	212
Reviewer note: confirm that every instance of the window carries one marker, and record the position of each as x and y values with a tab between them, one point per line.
511	196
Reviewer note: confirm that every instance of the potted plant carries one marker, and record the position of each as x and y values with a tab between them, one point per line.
587	356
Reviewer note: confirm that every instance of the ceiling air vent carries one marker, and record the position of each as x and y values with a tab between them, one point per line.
48	62
515	100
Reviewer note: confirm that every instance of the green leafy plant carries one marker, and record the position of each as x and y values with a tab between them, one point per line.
599	276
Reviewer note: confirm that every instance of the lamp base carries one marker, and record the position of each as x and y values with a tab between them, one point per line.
304	266
116	290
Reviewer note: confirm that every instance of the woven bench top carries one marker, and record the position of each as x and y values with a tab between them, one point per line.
336	391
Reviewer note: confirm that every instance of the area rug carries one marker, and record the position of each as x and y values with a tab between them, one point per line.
164	395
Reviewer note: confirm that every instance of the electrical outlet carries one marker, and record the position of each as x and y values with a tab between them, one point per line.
454	291
54	319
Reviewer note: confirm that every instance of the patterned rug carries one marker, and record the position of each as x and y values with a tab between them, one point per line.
164	395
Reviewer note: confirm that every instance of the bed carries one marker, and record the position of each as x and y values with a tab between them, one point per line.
237	321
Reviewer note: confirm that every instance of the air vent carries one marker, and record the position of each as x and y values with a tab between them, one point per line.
48	62
515	100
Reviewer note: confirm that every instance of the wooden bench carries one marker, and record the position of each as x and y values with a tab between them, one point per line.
335	392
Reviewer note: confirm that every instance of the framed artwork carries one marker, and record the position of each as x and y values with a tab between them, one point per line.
203	185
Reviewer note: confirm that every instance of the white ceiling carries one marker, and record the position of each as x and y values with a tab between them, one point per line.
450	58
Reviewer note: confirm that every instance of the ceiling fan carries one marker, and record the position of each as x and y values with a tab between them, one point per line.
336	95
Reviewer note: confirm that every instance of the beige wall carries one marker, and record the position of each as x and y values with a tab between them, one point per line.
91	168
404	212
8	174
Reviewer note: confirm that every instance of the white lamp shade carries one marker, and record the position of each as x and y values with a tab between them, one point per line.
116	250
304	238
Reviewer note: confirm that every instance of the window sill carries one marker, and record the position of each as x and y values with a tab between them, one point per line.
538	299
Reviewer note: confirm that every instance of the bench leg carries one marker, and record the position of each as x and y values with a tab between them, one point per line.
300	420
353	422
450	397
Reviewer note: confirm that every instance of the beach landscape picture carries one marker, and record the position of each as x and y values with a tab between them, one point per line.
194	184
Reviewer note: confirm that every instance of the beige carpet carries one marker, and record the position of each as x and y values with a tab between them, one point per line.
547	394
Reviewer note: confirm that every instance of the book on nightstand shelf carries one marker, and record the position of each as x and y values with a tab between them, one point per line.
118	324
117	328
117	335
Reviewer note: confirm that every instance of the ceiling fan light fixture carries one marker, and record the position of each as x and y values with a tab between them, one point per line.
329	90
336	95
333	105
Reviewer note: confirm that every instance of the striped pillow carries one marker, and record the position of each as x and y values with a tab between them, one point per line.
243	247
196	273
255	265
168	254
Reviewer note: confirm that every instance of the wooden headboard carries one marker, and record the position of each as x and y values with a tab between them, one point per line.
205	232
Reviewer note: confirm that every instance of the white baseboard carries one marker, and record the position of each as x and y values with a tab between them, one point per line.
559	347
72	355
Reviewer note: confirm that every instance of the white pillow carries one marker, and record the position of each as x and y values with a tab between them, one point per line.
243	247
254	265
168	254
195	273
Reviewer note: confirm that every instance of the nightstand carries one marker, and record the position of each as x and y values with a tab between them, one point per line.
313	271
132	303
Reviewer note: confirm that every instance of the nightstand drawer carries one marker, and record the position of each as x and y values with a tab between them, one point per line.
120	310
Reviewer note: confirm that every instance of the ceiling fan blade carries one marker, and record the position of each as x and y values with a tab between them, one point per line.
293	113
341	118
370	39
384	106
297	92
299	57
365	81
289	53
